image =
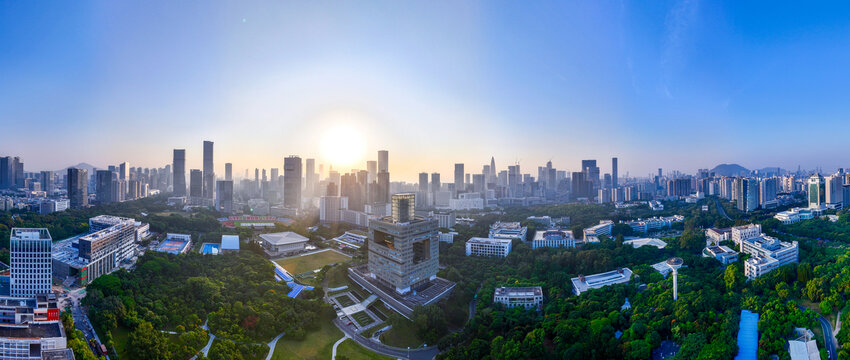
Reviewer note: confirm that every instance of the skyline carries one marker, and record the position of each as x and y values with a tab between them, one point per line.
484	79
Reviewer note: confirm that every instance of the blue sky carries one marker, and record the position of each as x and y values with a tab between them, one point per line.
672	84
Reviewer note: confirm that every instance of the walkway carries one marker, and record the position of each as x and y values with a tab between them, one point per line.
273	343
333	355
425	353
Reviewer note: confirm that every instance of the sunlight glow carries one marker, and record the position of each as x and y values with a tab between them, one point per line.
343	145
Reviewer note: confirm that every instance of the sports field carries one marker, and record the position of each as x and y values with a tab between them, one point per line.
302	264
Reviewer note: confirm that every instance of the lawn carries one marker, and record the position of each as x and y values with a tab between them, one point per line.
317	345
302	264
353	351
402	335
380	310
120	336
362	318
337	276
345	300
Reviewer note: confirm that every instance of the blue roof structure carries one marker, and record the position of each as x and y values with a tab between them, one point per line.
295	287
748	336
229	242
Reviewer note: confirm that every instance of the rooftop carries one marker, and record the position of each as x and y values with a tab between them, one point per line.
583	283
112	220
283	238
230	242
60	354
553	234
518	291
489	241
32	331
646	241
30	234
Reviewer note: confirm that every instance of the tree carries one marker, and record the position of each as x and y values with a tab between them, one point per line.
732	277
146	343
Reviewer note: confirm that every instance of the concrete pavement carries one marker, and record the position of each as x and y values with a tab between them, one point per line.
427	353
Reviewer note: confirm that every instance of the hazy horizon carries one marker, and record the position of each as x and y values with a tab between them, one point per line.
676	85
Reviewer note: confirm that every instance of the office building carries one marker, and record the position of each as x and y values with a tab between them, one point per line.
488	247
740	233
179	172
292	182
383	161
196	184
47	182
224	196
228	171
104	186
717	235
435	184
34	341
6	172
527	297
747	194
372	171
654	223
404	248
817	192
833	190
310	177
423	183
768	189
209	171
591	173
78	188
593	233
446	219
723	254
30	262
791	216
583	283
97	253
126	237
553	238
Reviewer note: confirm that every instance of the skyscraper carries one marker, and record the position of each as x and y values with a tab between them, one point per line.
103	186
179	166
591	171
224	196
228	171
492	177
423	182
372	168
459	187
47	182
383	161
292	182
123	169
747	194
614	174
383	195
6	172
209	171
310	176
78	190
31	264
817	191
435	184
18	176
196	183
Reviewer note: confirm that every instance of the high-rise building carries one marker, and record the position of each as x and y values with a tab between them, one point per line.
103	186
817	193
747	194
459	187
403	249
768	188
6	172
196	183
383	194
47	182
209	171
580	187
224	196
435	183
310	177
834	193
179	174
372	169
292	182
123	169
423	182
383	161
31	264
228	171
614	174
591	172
18	177
78	189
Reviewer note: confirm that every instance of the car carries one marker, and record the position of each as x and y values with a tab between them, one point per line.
349	323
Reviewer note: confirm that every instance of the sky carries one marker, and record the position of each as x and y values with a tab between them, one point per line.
672	84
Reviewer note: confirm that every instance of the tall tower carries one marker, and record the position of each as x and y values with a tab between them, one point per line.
459	184
310	176
31	262
675	263
614	174
228	171
292	182
209	171
383	161
179	168
78	188
383	195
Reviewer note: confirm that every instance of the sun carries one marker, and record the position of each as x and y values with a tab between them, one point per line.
342	145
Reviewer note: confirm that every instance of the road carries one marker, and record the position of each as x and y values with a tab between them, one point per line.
81	320
829	338
720	209
399	353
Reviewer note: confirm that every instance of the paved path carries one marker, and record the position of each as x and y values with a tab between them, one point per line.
427	353
273	343
720	209
829	337
333	355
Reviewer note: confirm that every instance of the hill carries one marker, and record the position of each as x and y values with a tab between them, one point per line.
730	170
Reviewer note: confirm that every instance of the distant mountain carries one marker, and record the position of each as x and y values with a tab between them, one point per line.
89	167
730	170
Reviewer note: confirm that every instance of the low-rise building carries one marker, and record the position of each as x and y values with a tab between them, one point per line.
351	239
283	243
584	283
448	237
29	341
794	215
654	223
741	233
527	297
488	247
553	238
593	233
508	230
229	244
636	243
723	254
768	253
717	235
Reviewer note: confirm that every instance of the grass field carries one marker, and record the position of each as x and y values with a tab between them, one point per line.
353	351
402	335
345	300
317	345
120	336
380	310
337	276
362	318
301	264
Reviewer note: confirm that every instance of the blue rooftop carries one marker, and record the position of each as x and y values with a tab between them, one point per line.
748	336
229	242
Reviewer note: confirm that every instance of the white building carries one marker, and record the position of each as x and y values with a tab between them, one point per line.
527	297
31	262
593	233
553	238
467	201
31	341
508	230
767	253
795	215
446	220
636	243
448	237
723	254
488	247
283	243
740	233
716	236
654	223
584	283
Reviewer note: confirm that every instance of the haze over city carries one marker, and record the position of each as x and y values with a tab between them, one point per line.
682	85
